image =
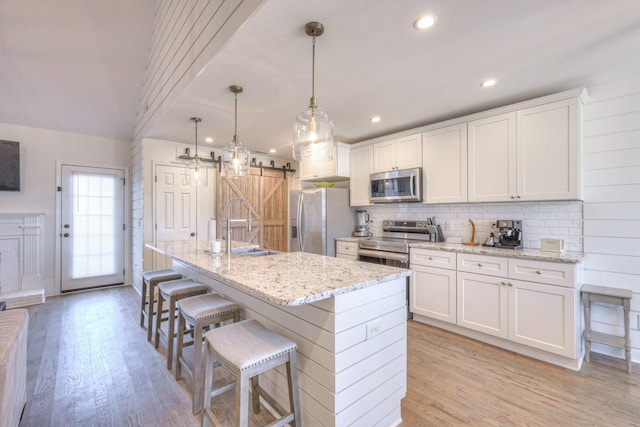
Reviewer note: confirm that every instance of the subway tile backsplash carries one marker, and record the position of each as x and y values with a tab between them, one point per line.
558	220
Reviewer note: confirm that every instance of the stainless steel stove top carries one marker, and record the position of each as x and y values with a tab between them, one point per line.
398	234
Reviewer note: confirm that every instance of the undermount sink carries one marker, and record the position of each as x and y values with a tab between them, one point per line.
254	251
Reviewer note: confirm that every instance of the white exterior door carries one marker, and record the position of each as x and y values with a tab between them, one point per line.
92	220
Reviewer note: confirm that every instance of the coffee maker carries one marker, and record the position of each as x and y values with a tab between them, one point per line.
509	234
362	224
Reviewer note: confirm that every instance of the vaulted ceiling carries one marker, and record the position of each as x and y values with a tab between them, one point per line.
78	66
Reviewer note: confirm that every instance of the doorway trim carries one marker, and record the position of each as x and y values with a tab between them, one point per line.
57	285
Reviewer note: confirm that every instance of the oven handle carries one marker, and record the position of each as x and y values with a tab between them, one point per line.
384	255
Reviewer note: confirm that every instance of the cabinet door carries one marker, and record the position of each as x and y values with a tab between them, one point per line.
347	250
384	156
433	293
543	316
306	167
444	158
549	151
492	158
408	152
483	304
361	167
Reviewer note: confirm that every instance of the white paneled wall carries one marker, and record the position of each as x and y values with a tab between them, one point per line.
611	158
186	35
560	220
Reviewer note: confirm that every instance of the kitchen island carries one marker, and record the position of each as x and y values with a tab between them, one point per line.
347	318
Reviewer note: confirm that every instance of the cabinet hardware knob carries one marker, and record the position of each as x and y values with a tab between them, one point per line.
513	197
509	284
503	283
430	258
479	265
538	272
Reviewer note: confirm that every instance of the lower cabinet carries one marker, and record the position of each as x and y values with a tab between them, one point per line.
486	294
347	250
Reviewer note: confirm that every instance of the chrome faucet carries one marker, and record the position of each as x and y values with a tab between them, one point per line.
229	220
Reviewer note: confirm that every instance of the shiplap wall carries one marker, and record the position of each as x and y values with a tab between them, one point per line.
611	159
186	35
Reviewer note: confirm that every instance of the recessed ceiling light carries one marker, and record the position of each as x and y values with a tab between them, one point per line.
208	139
424	22
273	150
375	119
488	83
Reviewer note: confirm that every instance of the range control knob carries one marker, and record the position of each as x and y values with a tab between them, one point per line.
419	225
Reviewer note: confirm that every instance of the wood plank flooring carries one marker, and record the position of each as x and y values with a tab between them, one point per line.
89	364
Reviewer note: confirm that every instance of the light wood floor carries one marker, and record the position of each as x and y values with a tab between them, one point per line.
89	364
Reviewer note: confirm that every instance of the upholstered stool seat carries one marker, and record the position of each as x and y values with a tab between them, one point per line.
199	313
173	291
150	280
246	349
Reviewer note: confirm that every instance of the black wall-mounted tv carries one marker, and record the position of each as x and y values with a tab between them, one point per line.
9	166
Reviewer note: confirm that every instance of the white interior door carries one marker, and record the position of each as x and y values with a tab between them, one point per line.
177	202
92	227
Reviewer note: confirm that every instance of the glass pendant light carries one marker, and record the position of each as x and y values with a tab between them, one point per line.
196	159
312	129
235	157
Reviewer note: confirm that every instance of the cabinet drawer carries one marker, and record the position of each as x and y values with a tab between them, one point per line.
552	273
433	258
483	264
346	248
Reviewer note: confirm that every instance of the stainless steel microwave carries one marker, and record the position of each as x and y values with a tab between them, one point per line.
396	186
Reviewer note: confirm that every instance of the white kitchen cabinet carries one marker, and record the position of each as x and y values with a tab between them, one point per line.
396	154
529	154
543	317
361	159
548	151
539	311
432	287
492	158
347	250
483	304
332	170
444	161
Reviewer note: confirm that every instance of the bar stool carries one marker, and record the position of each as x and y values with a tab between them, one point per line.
199	313
246	349
613	296
150	280
173	291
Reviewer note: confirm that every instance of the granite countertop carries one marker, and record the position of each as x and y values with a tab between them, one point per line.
534	254
350	239
288	278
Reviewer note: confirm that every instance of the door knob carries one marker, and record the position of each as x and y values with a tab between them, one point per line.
66	234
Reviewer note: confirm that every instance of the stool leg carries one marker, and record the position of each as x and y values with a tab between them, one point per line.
242	400
144	302
197	365
152	308
294	396
170	336
158	321
587	325
180	344
208	384
255	394
627	338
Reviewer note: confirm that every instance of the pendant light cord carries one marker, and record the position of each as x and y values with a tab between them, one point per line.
235	129
313	72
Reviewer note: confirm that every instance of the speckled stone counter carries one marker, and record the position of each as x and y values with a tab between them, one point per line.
288	278
347	318
534	254
349	239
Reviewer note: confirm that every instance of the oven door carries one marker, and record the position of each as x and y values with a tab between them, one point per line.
393	259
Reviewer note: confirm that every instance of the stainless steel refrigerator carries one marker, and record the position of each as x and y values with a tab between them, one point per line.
318	216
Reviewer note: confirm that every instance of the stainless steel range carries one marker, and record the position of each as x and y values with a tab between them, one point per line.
393	247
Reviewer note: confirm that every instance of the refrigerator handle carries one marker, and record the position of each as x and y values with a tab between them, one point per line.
299	220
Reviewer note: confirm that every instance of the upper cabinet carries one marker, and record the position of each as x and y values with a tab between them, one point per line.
333	170
529	154
444	162
396	154
361	168
492	158
548	148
